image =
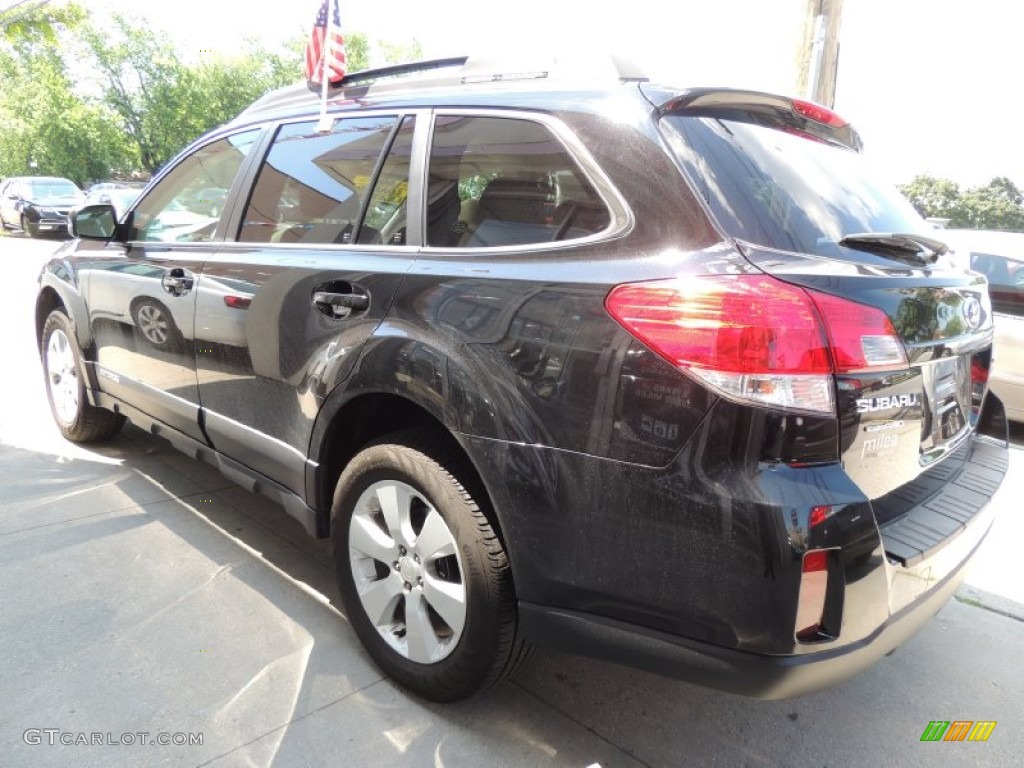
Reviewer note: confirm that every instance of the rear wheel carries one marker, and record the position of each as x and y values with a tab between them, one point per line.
424	579
77	420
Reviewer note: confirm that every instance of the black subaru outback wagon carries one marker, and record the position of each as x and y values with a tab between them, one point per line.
660	375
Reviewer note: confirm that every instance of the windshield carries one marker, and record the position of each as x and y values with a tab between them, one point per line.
787	191
54	188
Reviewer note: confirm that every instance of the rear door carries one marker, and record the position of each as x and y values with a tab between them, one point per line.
283	312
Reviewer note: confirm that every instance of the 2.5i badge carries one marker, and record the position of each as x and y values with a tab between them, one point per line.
872	404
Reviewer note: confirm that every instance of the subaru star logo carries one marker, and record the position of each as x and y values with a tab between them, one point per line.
972	312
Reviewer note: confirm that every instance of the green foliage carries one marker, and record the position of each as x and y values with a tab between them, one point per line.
996	205
164	103
24	24
45	127
130	102
357	52
398	53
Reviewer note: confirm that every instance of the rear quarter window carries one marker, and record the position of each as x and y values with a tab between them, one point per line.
497	182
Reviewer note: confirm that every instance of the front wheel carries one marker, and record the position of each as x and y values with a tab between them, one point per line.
30	228
423	577
77	420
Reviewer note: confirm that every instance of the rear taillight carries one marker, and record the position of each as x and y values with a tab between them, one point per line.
238	302
758	339
862	338
813	589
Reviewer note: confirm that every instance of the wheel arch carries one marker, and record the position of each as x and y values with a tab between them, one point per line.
368	416
47	301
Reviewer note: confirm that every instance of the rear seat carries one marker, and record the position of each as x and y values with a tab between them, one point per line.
514	212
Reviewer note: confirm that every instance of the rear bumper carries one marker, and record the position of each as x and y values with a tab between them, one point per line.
921	574
748	674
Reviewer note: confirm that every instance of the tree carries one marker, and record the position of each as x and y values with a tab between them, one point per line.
357	52
131	102
933	197
164	103
38	21
996	205
45	127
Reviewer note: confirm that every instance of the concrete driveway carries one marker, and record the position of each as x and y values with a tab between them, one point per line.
143	598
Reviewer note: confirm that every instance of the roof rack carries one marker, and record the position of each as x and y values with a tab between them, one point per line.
483	70
452	72
365	76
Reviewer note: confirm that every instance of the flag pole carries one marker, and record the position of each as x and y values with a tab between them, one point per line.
325	123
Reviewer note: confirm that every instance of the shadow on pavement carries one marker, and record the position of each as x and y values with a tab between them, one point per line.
176	598
220	615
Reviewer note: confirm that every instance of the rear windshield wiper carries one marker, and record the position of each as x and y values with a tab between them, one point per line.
926	249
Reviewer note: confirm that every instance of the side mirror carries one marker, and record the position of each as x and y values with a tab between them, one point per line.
94	222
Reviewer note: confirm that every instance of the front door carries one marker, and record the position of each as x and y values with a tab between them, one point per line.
141	293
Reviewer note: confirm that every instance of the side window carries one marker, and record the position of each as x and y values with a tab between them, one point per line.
187	204
502	181
1005	281
312	185
387	211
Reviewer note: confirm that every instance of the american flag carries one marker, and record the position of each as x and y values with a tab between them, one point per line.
317	44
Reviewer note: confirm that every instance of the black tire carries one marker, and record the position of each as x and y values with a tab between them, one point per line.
488	647
77	420
30	228
155	324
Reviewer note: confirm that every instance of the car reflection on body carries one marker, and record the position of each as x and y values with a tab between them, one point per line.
161	323
1000	257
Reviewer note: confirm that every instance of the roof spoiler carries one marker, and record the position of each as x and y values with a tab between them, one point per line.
781	112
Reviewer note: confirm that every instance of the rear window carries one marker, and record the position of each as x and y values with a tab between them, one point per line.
787	191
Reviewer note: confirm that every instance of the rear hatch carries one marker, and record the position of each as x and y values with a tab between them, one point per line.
786	182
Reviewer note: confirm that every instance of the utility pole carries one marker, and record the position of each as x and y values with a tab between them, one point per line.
818	58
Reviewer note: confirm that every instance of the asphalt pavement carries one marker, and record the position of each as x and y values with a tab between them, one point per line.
146	599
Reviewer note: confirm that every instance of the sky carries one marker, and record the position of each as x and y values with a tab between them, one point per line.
931	85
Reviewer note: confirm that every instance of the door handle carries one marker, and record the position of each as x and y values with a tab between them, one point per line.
340	304
177	282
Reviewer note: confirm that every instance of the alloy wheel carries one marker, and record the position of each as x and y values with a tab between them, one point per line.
407	571
62	377
152	321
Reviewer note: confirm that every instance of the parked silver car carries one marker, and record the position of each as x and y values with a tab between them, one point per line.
1000	257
